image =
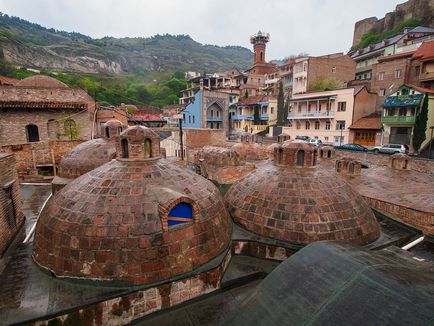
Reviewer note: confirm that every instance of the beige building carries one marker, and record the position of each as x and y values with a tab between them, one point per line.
327	115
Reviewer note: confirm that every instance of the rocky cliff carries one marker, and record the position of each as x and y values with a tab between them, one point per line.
412	9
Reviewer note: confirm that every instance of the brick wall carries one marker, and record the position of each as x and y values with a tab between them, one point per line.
29	155
13	124
11	215
322	66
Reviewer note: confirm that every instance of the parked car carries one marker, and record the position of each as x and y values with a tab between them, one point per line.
315	142
391	149
352	147
305	138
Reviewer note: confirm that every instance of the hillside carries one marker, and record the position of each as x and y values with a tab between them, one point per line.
33	46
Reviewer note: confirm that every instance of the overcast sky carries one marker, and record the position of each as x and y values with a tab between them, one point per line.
313	26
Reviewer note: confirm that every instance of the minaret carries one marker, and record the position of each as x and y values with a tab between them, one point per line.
259	41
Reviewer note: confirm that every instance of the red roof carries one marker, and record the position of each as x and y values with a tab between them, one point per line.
252	100
372	121
425	52
395	56
8	81
421	89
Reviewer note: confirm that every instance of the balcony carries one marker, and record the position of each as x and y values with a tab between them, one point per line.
264	117
238	117
214	118
399	120
311	115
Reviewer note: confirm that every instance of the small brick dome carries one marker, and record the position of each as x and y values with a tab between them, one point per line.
133	220
270	149
300	205
92	153
251	151
41	81
220	156
295	154
138	143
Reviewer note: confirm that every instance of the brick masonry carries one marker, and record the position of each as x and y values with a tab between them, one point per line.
11	215
30	155
124	309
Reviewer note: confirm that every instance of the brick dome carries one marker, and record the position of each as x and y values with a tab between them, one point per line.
251	151
299	203
133	220
220	156
41	81
92	153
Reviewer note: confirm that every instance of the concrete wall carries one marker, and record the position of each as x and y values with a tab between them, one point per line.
11	215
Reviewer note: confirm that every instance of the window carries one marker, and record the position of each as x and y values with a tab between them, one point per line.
189	119
180	214
398	73
334	70
342	106
148	148
381	76
307	125
107	132
327	125
300	158
316	125
124	145
382	92
193	118
272	110
326	138
298	125
32	132
339	140
340	124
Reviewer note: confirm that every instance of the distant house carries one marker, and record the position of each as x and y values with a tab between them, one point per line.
42	108
401	110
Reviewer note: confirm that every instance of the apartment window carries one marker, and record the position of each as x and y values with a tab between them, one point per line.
193	119
339	140
308	107
327	125
342	106
382	92
290	123
316	125
307	125
417	71
272	110
340	124
398	73
381	76
298	125
305	66
189	119
334	70
326	138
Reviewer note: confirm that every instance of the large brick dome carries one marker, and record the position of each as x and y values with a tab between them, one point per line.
136	219
294	201
92	153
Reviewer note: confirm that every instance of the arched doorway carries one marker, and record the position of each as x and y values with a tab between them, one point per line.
32	133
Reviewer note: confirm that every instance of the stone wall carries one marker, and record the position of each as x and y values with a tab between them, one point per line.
11	215
345	68
30	155
417	164
124	309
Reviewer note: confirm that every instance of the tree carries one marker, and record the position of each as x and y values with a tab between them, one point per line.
324	83
280	106
256	116
419	133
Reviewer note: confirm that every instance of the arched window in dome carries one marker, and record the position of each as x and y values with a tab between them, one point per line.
148	148
315	154
351	168
32	132
119	130
280	156
124	146
107	132
181	213
300	158
329	154
321	153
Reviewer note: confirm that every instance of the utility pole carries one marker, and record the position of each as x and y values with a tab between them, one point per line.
181	142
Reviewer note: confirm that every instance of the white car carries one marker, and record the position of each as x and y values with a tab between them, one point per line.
391	149
315	142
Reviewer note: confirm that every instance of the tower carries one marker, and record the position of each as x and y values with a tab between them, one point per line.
259	41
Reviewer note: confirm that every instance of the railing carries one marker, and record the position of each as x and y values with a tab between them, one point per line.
307	115
264	117
248	117
259	127
208	118
398	119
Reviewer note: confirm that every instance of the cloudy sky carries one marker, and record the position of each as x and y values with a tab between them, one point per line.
313	26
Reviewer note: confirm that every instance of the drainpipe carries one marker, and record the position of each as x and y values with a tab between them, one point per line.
413	243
